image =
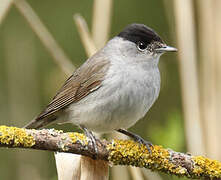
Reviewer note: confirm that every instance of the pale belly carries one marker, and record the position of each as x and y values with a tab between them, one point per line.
121	106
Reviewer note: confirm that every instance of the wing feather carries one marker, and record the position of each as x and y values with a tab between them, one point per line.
85	80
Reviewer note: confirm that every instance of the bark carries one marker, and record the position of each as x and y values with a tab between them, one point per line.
116	152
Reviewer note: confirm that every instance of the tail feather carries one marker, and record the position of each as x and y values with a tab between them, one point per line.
39	123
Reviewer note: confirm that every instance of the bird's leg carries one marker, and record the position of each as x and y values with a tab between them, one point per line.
137	138
92	139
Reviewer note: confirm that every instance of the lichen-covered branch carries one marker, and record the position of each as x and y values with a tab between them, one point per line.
117	152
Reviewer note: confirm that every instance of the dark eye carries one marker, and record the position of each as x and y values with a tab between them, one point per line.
141	46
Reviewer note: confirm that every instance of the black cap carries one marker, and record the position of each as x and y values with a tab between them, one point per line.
139	33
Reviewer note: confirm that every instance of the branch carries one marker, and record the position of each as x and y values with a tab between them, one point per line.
117	152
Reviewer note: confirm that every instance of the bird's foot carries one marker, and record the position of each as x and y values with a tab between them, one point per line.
138	139
92	140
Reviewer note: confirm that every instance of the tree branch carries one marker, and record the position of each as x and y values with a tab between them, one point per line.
117	152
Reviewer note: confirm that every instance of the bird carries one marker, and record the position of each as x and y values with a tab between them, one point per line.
113	89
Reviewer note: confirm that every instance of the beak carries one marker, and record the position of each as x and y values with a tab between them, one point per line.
166	49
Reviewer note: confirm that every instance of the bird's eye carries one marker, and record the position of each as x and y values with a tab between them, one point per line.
141	46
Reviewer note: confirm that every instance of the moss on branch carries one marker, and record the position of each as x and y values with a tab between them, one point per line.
117	152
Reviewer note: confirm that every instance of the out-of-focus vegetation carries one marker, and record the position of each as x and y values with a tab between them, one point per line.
29	77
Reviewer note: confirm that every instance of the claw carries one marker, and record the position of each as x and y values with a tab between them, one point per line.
144	142
138	139
92	140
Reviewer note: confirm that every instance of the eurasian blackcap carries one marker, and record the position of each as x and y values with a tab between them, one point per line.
114	88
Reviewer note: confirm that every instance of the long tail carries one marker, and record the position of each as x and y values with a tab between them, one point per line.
39	123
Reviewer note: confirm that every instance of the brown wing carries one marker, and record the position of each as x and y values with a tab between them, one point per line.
84	81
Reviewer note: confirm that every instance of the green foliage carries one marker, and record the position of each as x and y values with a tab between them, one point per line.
171	133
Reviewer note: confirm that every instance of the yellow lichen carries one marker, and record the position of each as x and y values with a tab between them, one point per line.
15	136
129	152
207	167
78	137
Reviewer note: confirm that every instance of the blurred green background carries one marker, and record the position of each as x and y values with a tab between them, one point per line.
29	78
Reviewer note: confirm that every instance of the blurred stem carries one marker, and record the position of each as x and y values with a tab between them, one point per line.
170	16
4	7
119	172
45	36
217	23
188	68
148	174
136	173
208	75
94	169
85	36
101	22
